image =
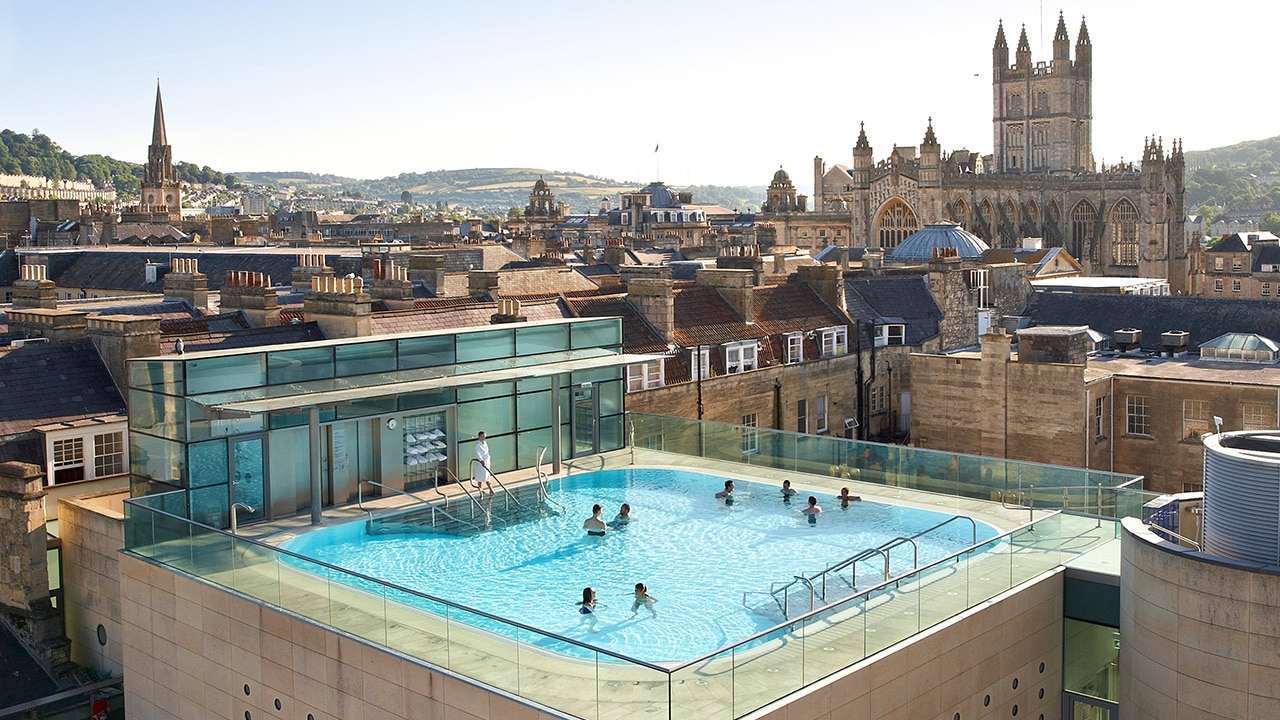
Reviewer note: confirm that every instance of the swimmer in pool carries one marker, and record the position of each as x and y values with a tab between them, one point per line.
788	492
813	510
594	526
643	600
727	493
622	518
845	498
587	608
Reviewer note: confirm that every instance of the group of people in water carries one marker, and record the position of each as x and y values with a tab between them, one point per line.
597	527
812	510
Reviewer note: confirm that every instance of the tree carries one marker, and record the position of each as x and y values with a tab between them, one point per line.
1271	223
514	212
406	197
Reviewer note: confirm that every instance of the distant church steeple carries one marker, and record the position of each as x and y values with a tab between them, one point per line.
160	186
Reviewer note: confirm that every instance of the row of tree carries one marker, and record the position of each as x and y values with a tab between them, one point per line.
36	154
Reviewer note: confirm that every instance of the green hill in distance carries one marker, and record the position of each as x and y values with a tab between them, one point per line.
496	189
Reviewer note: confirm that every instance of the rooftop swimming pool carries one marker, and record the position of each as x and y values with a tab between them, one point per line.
697	554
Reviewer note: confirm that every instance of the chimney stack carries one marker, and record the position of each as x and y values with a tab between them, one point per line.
33	289
253	294
51	324
121	337
185	282
827	281
391	285
340	306
654	299
309	265
481	283
429	269
737	287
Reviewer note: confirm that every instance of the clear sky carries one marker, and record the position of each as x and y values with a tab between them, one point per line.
730	89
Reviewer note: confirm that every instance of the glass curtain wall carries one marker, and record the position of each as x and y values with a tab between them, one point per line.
218	458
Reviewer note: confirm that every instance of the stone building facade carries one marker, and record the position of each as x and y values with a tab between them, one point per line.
161	192
1125	219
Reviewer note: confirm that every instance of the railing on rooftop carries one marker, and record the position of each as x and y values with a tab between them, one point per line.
836	461
576	678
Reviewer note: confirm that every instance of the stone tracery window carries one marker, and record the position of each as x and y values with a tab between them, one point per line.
1124	233
895	223
1082	227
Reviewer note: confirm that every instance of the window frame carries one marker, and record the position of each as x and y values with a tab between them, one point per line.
1099	417
886	334
1251	413
650	375
1137	418
750	434
795	347
802	416
820	414
834	341
747	357
101	448
1196	419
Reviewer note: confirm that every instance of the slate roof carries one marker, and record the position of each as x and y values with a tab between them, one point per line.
125	271
446	317
1203	318
222	323
252	337
58	382
1266	255
24	679
1230	244
149	234
637	335
904	299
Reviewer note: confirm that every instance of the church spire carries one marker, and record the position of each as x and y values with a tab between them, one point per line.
1061	33
1083	37
1061	41
1023	45
158	136
1023	56
929	138
862	144
1001	43
1000	51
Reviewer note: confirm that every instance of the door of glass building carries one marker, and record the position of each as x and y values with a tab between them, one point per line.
586	427
1080	707
248	463
347	459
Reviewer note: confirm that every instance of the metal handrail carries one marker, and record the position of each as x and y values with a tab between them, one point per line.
1174	535
434	508
507	496
543	479
474	502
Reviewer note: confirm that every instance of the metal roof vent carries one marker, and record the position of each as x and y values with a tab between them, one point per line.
1242	496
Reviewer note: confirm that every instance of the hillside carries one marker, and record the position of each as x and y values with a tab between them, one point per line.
496	189
1237	178
37	154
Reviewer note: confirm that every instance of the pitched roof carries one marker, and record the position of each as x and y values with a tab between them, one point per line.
637	335
905	299
58	382
445	317
253	337
702	317
1203	318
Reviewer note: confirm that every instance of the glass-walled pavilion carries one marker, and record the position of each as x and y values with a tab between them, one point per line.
292	428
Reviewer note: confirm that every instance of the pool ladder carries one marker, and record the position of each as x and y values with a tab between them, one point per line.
780	591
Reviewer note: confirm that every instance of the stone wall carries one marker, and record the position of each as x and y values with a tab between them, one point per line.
92	530
1200	635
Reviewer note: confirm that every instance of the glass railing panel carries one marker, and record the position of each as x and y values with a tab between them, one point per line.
882	626
357	608
943	591
484	649
172	541
989	570
212	552
255	571
627	690
558	674
415	630
833	640
1038	548
704	690
767	668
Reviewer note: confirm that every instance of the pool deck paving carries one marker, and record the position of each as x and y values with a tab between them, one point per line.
727	685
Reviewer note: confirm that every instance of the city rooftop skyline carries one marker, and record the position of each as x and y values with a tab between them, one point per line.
728	92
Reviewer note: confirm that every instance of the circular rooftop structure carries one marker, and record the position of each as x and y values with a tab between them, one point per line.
925	244
1242	496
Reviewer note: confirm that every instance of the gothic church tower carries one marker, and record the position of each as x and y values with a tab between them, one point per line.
161	191
1043	114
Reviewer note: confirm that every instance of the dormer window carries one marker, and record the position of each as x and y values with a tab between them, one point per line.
894	334
740	357
795	347
644	376
835	341
700	358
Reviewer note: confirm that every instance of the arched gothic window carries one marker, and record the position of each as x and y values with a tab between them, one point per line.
895	223
1124	233
960	213
1083	219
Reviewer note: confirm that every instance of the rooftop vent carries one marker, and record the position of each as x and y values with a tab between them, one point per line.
1174	342
1128	338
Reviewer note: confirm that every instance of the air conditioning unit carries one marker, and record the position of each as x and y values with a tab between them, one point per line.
1128	336
850	423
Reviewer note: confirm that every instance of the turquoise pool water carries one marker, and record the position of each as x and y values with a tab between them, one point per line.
697	555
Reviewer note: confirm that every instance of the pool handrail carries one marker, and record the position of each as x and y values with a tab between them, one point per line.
400	511
792	621
543	479
507	496
463	486
376	582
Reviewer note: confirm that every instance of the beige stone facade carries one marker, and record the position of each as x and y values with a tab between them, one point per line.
1201	634
92	530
